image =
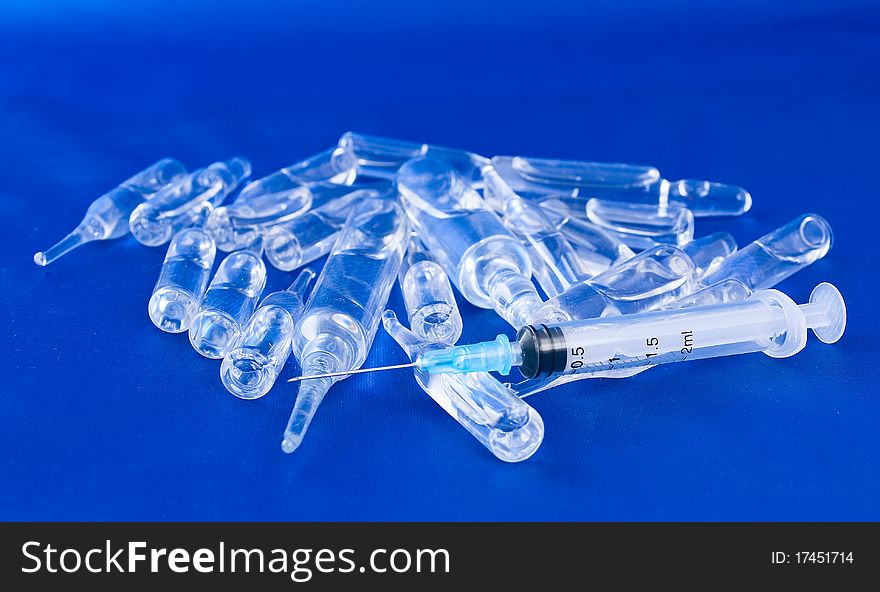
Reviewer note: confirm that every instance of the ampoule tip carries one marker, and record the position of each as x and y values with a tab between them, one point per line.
290	443
75	239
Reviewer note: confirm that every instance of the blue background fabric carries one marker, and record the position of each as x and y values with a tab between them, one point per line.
106	418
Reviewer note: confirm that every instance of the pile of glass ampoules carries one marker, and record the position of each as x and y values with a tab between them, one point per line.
595	264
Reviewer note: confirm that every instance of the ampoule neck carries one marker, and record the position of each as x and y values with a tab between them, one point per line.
513	295
238	167
705	198
411	343
201	218
256	247
321	362
415	253
323	346
300	285
90	229
223	175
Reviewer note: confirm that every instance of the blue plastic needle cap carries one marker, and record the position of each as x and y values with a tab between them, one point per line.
489	356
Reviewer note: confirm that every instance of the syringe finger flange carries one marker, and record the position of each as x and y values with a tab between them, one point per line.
794	338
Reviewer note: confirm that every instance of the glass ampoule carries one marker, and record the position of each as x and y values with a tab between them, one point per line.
183	278
776	255
489	266
382	157
229	302
596	249
644	282
107	217
250	369
627	183
709	252
335	165
637	225
427	296
762	264
358	158
641	226
345	306
308	237
490	411
155	221
555	263
238	224
719	293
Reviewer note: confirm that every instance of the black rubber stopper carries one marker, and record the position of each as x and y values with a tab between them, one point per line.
543	350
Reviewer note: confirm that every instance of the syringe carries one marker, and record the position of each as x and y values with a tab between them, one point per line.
770	322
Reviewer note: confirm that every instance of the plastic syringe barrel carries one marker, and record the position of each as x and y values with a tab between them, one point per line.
770	322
